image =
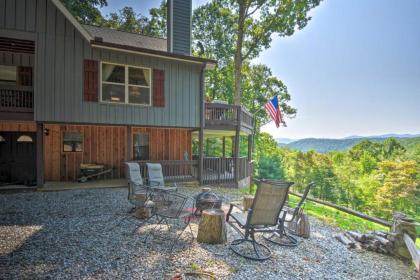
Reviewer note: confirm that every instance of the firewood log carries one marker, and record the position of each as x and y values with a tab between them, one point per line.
357	236
345	240
385	242
381	234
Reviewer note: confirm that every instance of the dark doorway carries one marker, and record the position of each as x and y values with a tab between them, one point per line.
17	158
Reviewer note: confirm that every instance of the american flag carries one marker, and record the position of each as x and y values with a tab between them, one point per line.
273	109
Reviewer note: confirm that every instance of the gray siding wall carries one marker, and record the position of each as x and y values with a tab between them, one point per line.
58	73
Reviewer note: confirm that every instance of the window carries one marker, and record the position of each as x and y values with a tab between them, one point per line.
141	146
72	142
8	75
24	139
125	84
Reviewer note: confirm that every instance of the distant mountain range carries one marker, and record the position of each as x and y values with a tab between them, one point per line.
326	145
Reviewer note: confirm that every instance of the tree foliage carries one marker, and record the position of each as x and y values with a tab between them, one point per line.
377	178
86	11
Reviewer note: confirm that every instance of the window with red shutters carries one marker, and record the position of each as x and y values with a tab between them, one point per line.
90	85
158	88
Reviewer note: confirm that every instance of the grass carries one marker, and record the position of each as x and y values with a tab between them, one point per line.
336	217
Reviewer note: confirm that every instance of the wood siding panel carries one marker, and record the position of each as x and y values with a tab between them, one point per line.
17	126
106	145
101	145
167	143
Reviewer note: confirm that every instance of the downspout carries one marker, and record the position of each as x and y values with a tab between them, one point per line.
202	124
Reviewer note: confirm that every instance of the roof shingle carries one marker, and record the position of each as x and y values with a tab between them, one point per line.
113	36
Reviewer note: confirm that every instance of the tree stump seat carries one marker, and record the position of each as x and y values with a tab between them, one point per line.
212	227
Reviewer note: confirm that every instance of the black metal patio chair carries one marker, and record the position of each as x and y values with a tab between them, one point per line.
174	211
261	218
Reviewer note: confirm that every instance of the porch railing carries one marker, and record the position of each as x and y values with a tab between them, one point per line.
227	115
219	170
16	99
174	170
216	170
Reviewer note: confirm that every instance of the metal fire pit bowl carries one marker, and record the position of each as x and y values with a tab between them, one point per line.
207	200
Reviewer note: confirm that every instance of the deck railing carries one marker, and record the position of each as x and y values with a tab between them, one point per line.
174	170
227	115
219	170
216	170
17	99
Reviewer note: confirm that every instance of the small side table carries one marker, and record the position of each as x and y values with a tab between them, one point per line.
212	227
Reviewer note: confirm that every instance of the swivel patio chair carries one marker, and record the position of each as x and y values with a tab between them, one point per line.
155	176
261	218
137	190
284	236
292	213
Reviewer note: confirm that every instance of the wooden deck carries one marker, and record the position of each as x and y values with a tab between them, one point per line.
228	117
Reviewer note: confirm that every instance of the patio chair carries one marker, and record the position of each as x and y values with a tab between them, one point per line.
282	236
137	191
291	218
174	211
261	218
156	180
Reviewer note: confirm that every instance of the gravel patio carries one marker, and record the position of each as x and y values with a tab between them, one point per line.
88	234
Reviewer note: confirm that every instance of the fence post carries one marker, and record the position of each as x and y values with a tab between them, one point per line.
402	224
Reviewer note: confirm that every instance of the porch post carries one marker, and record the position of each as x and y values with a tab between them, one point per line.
250	144
224	146
202	123
129	143
237	144
39	155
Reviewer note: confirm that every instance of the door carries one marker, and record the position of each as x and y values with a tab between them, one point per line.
18	158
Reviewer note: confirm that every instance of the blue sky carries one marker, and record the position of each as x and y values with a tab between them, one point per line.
355	69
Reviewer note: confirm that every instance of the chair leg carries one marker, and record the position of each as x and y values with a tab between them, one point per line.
280	237
154	229
178	237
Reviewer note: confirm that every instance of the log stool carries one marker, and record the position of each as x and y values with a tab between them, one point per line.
212	227
247	202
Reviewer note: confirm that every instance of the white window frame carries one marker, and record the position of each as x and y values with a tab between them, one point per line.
126	84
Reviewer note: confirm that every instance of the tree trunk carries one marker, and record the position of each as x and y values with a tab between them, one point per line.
238	54
212	228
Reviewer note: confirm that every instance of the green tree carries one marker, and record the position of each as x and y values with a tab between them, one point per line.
127	20
268	157
257	21
156	24
86	11
400	188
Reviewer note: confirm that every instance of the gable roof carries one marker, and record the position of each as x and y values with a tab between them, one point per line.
60	6
128	42
127	38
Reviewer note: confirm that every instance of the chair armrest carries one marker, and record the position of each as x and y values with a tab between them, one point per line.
153	183
164	189
231	208
237	205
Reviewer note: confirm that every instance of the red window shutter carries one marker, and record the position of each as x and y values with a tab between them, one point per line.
158	88
24	76
90	85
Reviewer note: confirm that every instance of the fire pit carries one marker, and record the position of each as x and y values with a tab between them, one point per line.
207	200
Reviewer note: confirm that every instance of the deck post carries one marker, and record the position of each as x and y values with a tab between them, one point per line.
250	144
237	143
39	155
202	123
129	143
224	146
